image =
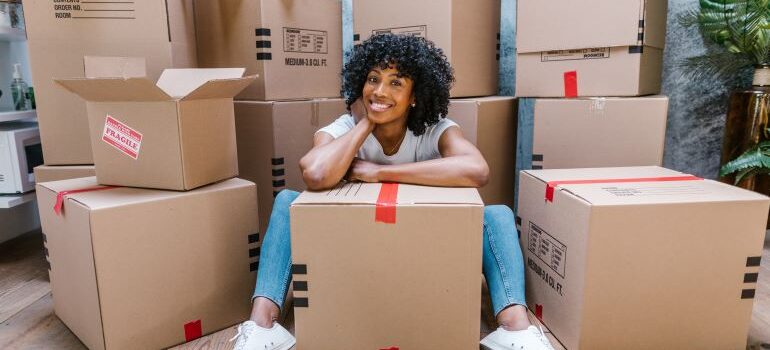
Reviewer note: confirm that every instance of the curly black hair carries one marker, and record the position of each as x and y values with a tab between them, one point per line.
413	57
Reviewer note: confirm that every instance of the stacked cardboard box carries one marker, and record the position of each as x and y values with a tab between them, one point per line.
172	265
569	58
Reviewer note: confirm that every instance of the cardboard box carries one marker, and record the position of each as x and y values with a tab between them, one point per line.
272	137
176	135
147	269
368	272
294	46
589	48
490	124
640	257
591	132
467	31
61	34
46	173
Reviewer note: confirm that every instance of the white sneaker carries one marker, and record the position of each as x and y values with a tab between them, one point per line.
253	337
528	339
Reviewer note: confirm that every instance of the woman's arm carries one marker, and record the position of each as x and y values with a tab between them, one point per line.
326	164
462	165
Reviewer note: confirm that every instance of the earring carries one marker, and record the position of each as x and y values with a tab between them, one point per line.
414	104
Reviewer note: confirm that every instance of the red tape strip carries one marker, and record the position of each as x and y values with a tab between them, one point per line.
570	84
551	185
539	312
58	208
390	348
385	210
192	330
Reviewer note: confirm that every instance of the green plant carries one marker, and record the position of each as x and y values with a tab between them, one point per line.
754	161
740	27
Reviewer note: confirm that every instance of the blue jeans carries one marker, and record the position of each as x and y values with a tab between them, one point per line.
503	265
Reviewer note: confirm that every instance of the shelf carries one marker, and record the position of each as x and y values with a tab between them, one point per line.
7	202
9	116
12	34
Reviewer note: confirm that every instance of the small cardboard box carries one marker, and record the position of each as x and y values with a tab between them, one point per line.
46	173
589	48
467	31
369	273
591	132
176	135
294	46
640	257
61	34
146	269
490	124
272	137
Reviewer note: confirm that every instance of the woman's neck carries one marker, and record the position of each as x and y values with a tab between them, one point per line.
389	135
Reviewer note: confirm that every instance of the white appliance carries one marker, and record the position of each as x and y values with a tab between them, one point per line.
20	153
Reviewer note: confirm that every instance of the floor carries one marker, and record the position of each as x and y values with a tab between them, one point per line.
27	320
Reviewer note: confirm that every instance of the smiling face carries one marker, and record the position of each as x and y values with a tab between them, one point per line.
387	95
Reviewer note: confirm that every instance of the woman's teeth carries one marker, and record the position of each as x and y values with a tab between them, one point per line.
379	107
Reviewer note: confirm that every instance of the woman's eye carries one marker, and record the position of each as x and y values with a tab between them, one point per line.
372	79
396	83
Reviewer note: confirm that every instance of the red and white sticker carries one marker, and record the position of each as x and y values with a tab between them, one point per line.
122	137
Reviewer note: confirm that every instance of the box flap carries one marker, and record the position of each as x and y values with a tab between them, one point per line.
567	24
114	89
368	193
114	67
180	82
220	88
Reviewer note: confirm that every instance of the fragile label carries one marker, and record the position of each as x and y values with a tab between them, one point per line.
305	40
122	137
421	31
578	54
547	248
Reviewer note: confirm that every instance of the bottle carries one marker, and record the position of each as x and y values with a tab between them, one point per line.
18	89
31	98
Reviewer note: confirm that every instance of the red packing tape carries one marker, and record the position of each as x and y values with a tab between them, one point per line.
390	348
551	185
58	208
539	312
192	330
385	211
570	84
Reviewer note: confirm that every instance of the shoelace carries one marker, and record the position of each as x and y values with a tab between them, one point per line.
543	339
239	346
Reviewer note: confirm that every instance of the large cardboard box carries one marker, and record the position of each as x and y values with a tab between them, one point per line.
147	269
589	48
370	274
46	173
176	135
490	124
590	132
467	31
640	257
272	137
295	46
60	34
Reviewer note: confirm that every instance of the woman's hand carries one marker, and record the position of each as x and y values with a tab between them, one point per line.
358	110
361	170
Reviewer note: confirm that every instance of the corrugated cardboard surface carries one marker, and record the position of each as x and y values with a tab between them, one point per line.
60	35
641	265
46	173
465	30
373	285
295	46
272	137
130	267
490	124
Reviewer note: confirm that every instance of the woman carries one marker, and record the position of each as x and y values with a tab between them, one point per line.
397	89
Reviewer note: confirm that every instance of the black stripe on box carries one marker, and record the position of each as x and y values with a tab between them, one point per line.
276	161
253	252
747	294
262	32
750	277
300	286
356	37
300	302
497	47
254	266
264	56
640	37
299	269
275	193
264	44
254	238
537	157
279	183
279	172
641	23
497	57
635	49
537	167
753	261
498	36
